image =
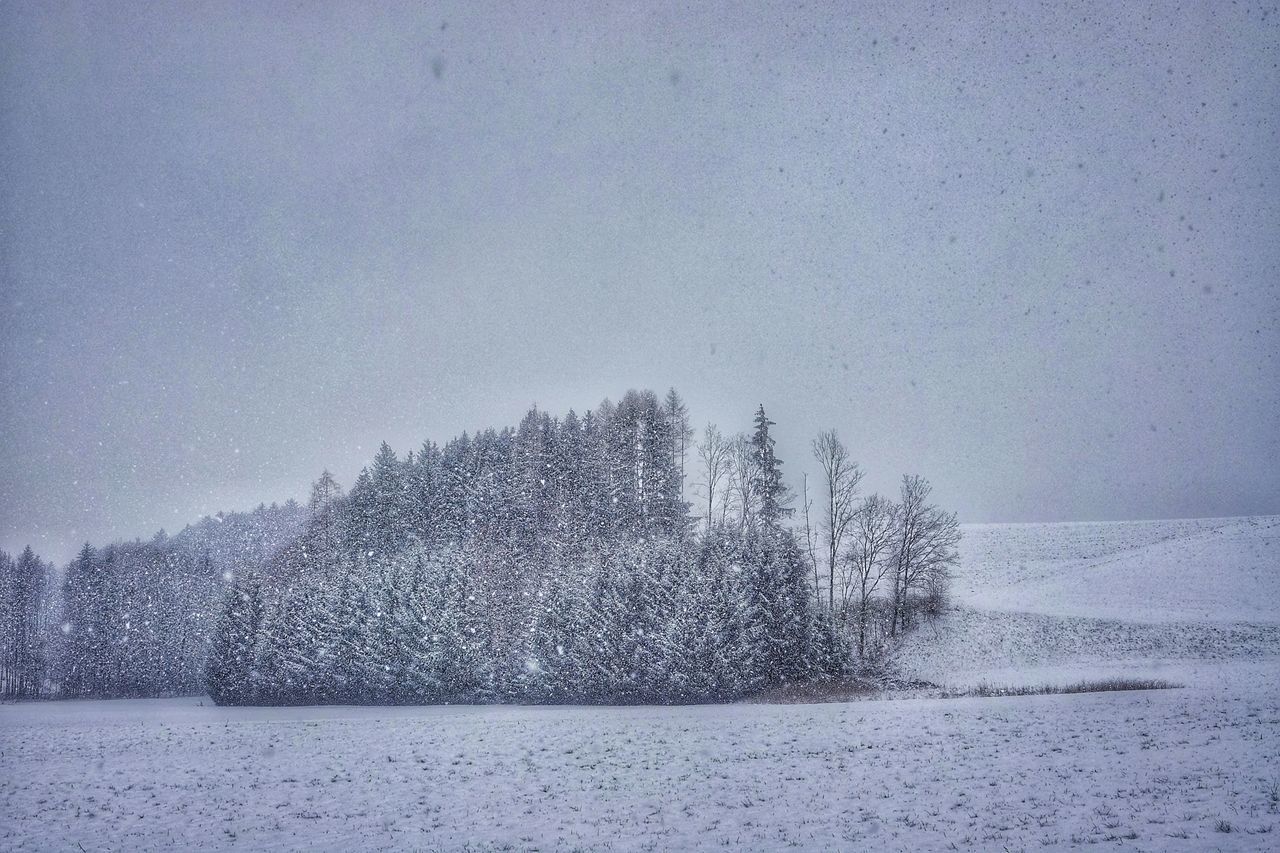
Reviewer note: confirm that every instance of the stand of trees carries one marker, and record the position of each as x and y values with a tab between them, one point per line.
656	620
554	562
27	602
882	563
131	618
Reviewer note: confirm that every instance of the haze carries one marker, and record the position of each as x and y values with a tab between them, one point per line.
1029	252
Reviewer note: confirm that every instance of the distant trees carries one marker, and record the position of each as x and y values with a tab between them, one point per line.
556	563
885	561
562	567
553	561
644	620
26	611
322	511
131	618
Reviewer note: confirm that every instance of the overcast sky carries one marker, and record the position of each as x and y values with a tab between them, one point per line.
1030	253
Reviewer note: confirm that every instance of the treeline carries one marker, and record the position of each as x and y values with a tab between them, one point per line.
656	620
562	560
28	604
553	562
130	618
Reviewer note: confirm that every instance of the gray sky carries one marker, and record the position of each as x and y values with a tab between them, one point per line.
1031	253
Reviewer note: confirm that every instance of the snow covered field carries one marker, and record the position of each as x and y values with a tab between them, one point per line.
1158	770
1188	769
1179	599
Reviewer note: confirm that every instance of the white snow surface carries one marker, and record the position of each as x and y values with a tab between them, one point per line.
1218	569
1196	768
1053	603
1153	770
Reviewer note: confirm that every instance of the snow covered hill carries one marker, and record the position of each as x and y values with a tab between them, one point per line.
1219	570
1037	602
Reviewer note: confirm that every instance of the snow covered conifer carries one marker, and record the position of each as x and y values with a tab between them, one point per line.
770	490
231	677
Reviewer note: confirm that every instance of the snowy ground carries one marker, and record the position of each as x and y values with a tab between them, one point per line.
1158	770
1190	769
1219	569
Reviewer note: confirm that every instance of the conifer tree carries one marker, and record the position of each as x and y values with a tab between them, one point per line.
232	677
771	491
85	597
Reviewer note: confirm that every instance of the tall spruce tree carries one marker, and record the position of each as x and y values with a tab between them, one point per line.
768	486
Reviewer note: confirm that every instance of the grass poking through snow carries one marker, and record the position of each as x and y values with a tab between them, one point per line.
1105	685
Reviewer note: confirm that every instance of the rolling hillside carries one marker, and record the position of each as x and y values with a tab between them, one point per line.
1058	601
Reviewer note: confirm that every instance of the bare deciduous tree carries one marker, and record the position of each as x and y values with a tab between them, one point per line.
742	478
840	479
811	540
870	558
925	547
714	453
